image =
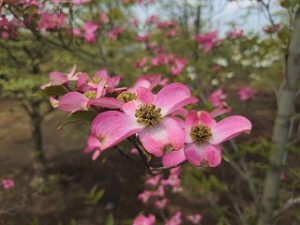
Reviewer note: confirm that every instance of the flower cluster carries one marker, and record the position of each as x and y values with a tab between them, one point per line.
155	122
156	194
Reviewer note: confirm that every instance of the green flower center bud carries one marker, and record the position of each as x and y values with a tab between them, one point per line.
90	94
200	134
97	80
126	96
148	115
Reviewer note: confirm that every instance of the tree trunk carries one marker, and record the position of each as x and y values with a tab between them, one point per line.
285	110
37	135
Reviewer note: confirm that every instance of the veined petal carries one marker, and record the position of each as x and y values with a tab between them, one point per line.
173	158
229	128
73	101
92	144
145	95
191	120
129	108
168	132
206	119
112	127
172	97
107	102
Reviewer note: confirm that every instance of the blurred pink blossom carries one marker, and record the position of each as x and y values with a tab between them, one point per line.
8	184
246	93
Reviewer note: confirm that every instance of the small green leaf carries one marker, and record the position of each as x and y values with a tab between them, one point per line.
51	91
78	116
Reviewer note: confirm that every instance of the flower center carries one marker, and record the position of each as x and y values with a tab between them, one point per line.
126	96
200	134
148	115
90	94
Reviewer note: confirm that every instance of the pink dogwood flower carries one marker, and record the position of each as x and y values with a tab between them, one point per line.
207	40
148	116
178	66
235	34
217	97
271	29
114	33
8	184
246	93
175	219
194	219
51	21
161	204
203	138
75	101
144	220
90	29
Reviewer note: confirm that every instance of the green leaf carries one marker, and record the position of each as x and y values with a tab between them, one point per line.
110	220
77	117
51	91
94	196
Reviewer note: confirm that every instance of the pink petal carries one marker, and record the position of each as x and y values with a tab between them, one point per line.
229	128
92	143
144	95
57	78
112	127
172	97
206	119
72	102
107	102
173	158
199	154
129	108
167	132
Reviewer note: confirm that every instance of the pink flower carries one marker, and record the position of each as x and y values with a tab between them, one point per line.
144	220
76	32
217	97
149	116
108	129
194	219
134	22
115	33
222	109
161	204
144	196
152	19
142	38
271	29
90	29
166	24
8	184
141	63
246	93
235	34
203	138
58	78
171	33
153	181
51	21
207	40
178	66
80	2
103	17
175	219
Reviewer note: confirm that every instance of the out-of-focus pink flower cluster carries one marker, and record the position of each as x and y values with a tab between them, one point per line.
8	184
156	193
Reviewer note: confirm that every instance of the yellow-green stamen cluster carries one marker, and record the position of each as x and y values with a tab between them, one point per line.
90	94
148	115
126	96
200	134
